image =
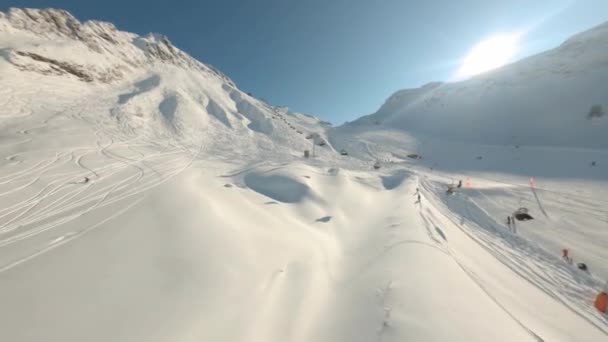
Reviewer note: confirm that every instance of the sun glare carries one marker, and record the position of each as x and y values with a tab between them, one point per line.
489	54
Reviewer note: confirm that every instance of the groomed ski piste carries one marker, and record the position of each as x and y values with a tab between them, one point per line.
144	197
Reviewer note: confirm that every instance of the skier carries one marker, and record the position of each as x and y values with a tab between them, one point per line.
565	255
460	183
85	180
418	198
509	221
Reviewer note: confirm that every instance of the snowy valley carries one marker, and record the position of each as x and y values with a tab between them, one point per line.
144	197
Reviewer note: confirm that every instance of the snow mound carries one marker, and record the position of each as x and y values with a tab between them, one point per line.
277	187
168	108
218	112
258	119
394	180
141	87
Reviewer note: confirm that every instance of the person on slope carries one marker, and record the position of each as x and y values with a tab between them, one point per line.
565	255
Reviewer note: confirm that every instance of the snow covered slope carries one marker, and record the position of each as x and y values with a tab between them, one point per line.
529	119
544	100
144	84
144	197
531	134
52	41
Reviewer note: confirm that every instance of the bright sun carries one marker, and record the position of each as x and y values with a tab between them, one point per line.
489	54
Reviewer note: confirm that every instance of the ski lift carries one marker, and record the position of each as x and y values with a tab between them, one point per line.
377	165
322	143
522	214
451	189
343	152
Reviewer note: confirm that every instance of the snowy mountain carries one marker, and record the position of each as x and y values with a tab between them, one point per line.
90	51
142	84
543	100
144	197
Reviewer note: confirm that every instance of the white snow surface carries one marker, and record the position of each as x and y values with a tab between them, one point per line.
144	197
542	100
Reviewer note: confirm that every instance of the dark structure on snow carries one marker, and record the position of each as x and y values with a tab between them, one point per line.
522	214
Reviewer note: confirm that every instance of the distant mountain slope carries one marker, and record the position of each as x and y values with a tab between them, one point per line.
139	85
545	99
92	50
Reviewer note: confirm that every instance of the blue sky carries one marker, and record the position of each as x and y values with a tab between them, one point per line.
338	59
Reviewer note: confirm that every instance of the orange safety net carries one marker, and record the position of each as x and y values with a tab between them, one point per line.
601	302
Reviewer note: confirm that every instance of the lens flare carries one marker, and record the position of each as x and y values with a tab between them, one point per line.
489	54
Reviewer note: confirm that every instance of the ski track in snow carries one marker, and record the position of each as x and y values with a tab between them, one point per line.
545	271
444	246
180	208
48	193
